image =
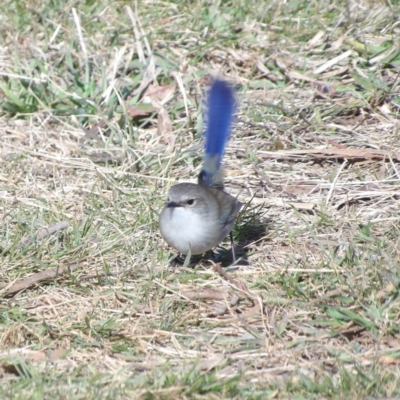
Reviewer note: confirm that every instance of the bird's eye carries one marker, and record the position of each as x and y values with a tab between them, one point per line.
190	202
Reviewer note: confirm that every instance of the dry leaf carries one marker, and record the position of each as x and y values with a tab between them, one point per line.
164	127
159	95
139	112
205	294
388	360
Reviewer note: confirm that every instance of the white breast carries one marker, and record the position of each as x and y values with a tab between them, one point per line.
184	229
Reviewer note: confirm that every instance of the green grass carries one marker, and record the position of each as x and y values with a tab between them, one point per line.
313	311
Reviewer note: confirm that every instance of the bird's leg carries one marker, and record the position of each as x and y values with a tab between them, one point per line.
182	260
177	261
233	248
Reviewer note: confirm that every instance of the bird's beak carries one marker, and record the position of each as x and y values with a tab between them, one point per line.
173	204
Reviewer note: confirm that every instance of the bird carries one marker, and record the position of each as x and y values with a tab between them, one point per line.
199	216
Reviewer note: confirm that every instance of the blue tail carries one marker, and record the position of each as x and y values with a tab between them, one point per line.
221	105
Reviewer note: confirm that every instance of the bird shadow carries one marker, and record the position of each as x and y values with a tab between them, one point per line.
250	227
252	234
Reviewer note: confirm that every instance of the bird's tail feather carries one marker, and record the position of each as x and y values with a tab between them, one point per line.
221	105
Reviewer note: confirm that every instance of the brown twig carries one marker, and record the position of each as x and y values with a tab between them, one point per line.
43	233
333	153
41	276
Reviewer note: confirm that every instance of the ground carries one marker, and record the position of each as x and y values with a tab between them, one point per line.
101	111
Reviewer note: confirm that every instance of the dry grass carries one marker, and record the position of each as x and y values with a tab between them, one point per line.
311	311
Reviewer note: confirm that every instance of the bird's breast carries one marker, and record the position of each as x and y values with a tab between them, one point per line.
184	229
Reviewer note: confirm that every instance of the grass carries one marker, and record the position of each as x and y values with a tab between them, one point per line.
101	112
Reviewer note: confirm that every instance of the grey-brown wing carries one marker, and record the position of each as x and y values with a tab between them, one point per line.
230	207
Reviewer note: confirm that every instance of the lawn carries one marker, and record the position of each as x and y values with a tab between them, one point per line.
102	110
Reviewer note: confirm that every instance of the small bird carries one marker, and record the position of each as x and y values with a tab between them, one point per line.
197	217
